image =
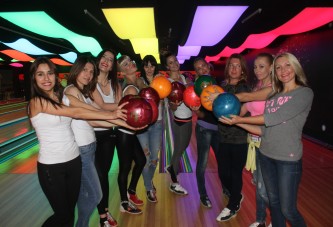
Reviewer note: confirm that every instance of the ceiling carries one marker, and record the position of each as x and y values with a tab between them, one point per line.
173	20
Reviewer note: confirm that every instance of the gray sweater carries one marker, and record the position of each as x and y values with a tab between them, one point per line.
285	115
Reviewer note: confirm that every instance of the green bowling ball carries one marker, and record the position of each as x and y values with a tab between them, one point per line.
202	82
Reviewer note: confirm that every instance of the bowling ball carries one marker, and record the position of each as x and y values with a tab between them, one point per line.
162	85
139	110
190	98
154	109
150	93
204	97
177	91
202	82
226	104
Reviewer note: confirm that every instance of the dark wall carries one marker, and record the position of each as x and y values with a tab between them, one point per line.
315	53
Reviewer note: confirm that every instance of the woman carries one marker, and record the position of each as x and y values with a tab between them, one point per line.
232	152
262	70
151	138
181	124
59	163
82	82
106	95
282	123
129	148
206	133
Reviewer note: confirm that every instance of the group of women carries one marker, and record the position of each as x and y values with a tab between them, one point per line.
80	126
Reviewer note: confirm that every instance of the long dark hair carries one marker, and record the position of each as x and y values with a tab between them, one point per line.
113	73
76	69
37	92
244	68
145	62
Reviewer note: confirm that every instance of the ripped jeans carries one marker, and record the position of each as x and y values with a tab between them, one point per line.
151	140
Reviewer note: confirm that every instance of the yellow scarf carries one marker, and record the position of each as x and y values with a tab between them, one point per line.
251	154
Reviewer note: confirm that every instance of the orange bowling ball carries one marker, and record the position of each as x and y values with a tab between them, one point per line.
162	85
204	97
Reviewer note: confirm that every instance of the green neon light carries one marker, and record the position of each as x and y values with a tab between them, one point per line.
41	23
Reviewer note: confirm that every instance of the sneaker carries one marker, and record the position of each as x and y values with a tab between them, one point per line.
176	188
112	221
134	199
105	224
257	224
151	196
171	172
128	207
205	201
226	214
240	203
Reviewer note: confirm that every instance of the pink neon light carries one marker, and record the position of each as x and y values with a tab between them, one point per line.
308	19
18	65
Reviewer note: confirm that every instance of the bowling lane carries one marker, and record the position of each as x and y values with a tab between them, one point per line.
15	129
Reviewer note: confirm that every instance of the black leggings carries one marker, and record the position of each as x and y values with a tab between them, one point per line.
129	150
106	143
61	186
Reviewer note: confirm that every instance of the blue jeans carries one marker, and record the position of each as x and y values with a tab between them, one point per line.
282	180
205	138
261	194
90	191
150	141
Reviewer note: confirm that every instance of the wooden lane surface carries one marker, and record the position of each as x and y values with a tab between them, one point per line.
21	193
15	129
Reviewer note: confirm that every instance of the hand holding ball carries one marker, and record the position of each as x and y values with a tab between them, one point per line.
206	101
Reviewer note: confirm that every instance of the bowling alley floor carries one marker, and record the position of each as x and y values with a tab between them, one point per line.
22	202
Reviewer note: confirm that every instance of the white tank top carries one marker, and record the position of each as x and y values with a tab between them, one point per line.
123	129
56	138
182	112
107	99
83	132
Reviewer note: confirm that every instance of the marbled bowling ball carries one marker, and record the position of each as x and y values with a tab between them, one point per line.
190	98
162	85
150	93
202	82
226	104
177	91
139	110
206	102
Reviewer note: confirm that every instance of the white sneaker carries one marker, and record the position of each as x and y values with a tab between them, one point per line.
105	224
176	188
226	214
257	224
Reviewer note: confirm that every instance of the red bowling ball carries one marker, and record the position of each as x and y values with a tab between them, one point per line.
139	110
191	99
154	109
177	91
150	93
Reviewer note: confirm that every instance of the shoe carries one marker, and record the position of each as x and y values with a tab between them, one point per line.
128	207
257	224
151	196
176	188
171	172
112	221
205	201
240	203
134	199
226	214
105	224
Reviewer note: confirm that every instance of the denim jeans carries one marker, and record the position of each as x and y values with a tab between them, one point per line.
261	194
282	180
205	138
90	191
150	141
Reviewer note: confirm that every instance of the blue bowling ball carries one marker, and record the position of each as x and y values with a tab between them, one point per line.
226	104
